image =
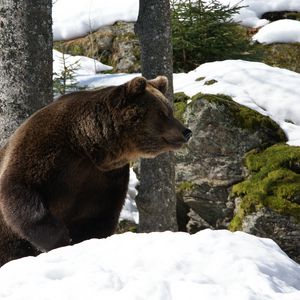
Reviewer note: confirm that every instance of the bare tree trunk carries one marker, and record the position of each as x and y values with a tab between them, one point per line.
25	61
156	200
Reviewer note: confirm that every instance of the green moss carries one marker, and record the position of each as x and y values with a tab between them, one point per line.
274	182
181	97
219	98
210	82
293	15
283	56
243	116
125	226
200	79
184	186
180	105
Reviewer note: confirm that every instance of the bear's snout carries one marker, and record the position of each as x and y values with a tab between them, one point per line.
187	133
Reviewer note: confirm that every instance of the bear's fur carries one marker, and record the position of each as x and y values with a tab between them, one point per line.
64	172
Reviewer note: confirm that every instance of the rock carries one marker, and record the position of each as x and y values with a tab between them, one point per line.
279	15
282	56
206	169
115	45
283	229
125	49
268	200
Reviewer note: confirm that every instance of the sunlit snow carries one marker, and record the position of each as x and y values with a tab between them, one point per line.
81	65
250	14
73	19
282	31
210	265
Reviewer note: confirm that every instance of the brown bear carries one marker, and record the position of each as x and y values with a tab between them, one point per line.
64	172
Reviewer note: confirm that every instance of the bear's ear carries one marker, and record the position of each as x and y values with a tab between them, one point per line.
161	83
135	86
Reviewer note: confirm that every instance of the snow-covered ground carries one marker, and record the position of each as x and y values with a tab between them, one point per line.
81	65
210	265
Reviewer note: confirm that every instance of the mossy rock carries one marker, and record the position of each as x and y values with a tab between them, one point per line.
274	182
126	226
244	117
180	105
210	82
115	45
283	56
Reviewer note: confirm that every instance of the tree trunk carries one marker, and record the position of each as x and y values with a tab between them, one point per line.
25	61
156	200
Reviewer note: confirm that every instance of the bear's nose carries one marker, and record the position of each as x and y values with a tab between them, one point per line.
187	133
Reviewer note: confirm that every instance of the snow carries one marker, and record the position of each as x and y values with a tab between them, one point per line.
209	265
72	19
282	31
129	211
83	65
271	91
90	15
252	11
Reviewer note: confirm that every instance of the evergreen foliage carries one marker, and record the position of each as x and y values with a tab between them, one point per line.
204	31
65	81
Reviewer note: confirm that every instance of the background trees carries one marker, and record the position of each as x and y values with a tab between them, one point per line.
156	200
205	32
25	61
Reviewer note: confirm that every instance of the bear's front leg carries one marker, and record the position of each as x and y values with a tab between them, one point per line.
25	213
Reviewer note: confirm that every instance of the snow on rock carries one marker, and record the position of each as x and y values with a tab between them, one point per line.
73	19
209	265
252	11
271	91
83	65
282	31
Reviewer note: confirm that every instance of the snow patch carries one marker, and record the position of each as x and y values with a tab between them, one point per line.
83	65
282	31
72	19
217	265
252	11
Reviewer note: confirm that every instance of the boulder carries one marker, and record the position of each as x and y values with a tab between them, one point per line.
208	167
282	56
237	172
267	202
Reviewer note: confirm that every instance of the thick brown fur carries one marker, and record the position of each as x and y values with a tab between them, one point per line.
64	172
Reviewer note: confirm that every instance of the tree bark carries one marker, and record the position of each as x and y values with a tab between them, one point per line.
156	200
25	61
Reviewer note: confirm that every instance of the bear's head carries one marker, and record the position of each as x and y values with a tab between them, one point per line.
148	114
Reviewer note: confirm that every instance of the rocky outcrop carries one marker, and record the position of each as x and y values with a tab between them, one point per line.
279	15
282	56
268	201
282	228
213	188
115	45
